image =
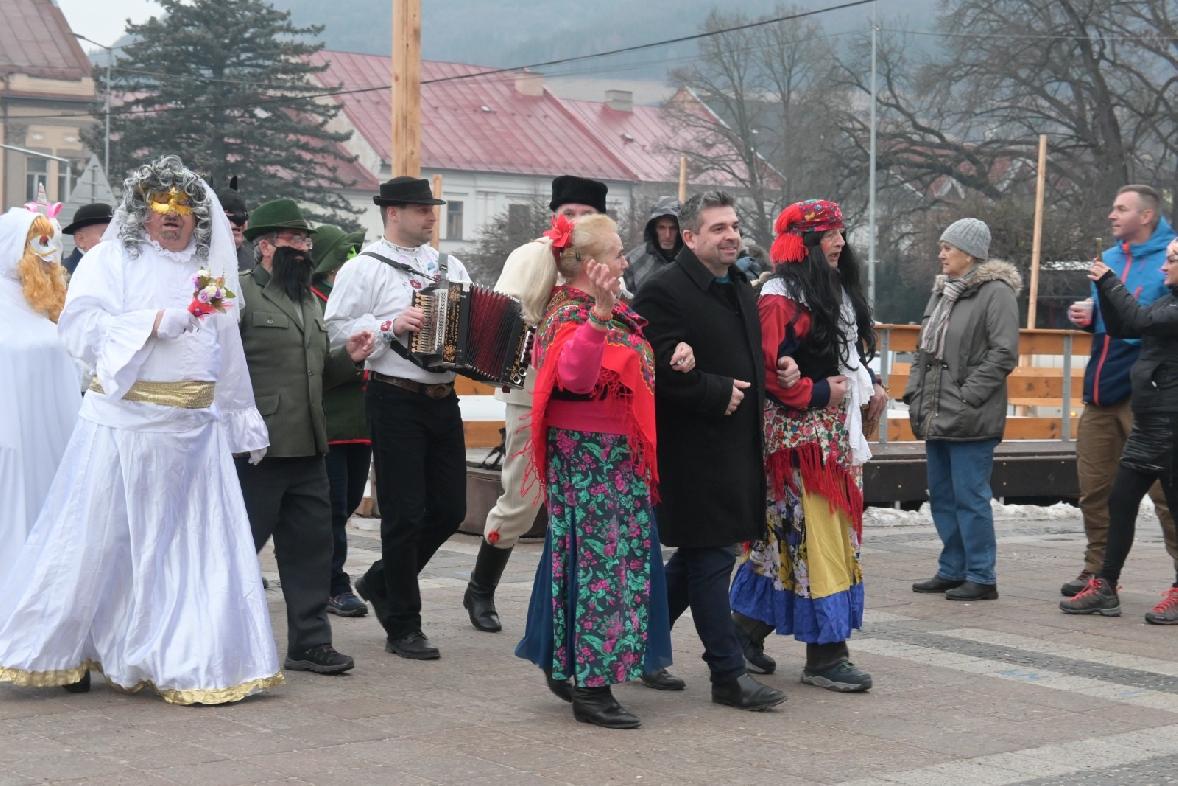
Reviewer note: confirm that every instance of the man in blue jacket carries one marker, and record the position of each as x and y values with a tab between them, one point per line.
1142	234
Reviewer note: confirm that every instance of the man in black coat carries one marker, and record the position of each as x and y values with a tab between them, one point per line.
712	479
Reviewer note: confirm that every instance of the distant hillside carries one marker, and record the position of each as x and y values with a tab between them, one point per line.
479	31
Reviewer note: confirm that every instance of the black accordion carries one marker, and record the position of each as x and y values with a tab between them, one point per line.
473	331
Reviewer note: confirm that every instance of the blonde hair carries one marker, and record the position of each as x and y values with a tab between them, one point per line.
530	273
43	284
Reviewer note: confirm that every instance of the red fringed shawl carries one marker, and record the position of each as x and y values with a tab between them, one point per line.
627	373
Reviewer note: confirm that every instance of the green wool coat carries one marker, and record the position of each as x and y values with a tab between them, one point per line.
290	363
344	403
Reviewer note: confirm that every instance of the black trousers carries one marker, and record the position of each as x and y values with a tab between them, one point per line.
347	472
699	578
419	453
287	498
1149	456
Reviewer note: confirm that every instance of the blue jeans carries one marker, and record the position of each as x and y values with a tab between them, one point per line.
959	495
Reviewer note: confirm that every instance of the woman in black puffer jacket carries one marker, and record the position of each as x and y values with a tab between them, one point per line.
1151	452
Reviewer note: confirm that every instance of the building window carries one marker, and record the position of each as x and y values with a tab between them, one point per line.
64	184
36	173
453	220
517	219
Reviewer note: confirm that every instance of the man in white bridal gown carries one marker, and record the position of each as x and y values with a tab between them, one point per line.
141	563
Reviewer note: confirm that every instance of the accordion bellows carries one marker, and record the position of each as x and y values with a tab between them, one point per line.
473	331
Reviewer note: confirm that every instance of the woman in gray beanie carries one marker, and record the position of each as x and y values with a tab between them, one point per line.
956	398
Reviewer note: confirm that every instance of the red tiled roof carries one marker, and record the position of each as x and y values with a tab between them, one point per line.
474	124
35	39
644	139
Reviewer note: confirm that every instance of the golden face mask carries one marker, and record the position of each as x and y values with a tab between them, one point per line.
171	201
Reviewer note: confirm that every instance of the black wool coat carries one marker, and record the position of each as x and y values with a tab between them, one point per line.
711	471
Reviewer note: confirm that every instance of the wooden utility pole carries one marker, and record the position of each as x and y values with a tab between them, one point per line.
436	240
682	179
405	156
1037	235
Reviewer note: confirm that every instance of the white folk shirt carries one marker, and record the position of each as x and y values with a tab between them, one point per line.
369	294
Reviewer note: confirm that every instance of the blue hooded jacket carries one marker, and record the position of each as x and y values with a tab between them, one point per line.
1139	267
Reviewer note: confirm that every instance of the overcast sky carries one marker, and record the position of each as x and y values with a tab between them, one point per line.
104	21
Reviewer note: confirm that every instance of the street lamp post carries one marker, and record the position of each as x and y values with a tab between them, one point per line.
110	59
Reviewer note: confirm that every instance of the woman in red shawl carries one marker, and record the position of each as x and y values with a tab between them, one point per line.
598	614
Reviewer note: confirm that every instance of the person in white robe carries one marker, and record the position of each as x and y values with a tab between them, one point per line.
39	393
141	565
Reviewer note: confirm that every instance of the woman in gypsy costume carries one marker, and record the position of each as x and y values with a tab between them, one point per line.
141	564
804	577
598	614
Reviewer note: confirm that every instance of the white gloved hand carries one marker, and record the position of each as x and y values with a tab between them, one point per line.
257	455
174	322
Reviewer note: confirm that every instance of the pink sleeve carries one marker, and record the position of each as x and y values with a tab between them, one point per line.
579	363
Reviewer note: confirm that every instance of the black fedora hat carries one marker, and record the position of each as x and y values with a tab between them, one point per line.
405	190
88	215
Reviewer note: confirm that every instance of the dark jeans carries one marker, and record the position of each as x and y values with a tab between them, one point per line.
699	578
287	498
347	472
419	453
1149	456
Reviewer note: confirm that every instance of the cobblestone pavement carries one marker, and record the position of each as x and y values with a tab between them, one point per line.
1001	692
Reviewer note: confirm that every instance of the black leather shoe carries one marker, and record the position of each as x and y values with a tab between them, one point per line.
375	596
81	686
663	680
561	689
971	590
414	646
320	660
745	693
599	707
479	599
936	584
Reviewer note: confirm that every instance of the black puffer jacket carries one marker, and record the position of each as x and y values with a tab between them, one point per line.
1155	374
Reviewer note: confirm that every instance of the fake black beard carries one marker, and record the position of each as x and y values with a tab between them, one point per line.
292	273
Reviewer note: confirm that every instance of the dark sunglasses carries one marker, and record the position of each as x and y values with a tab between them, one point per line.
238	219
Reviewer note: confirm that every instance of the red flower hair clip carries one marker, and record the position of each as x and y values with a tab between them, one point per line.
560	233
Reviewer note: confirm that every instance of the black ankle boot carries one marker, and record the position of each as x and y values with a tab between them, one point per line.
599	707
479	599
751	634
561	689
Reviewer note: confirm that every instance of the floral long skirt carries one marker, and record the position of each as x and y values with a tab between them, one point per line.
598	613
803	577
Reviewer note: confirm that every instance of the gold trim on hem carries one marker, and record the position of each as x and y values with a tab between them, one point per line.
184	394
59	677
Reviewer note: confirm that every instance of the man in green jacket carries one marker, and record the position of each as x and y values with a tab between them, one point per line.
290	362
349	452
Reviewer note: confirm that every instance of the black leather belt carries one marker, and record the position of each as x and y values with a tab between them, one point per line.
437	390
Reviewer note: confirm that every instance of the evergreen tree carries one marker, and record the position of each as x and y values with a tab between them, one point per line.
226	85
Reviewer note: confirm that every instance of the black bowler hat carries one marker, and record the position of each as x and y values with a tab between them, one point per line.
88	215
405	190
581	190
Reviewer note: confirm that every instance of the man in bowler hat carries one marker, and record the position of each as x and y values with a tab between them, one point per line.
87	227
418	447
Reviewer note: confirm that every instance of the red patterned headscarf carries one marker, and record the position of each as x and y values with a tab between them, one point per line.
810	215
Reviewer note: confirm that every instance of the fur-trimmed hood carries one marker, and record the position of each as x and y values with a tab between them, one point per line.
984	273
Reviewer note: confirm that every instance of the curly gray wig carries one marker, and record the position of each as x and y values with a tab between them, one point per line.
163	174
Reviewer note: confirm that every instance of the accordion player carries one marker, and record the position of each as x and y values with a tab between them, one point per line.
474	331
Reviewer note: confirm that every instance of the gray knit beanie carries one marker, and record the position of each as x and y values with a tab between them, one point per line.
971	235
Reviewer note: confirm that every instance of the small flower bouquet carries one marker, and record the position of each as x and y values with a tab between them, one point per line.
211	295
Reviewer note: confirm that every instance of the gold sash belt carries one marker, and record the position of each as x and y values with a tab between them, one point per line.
186	394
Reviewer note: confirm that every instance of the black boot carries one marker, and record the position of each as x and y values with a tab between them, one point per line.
751	634
561	689
81	686
479	599
599	707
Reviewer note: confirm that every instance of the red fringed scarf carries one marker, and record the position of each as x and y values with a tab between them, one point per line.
627	373
820	475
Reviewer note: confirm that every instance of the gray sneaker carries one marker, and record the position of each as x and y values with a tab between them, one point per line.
1076	585
842	677
1099	597
1166	612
